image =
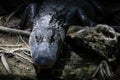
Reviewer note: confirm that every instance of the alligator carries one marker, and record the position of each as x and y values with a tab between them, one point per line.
50	22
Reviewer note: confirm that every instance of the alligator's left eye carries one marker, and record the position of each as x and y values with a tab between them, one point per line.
37	39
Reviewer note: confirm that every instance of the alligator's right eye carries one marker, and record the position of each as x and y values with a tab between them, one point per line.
52	39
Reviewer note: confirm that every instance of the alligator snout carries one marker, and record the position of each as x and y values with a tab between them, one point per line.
44	54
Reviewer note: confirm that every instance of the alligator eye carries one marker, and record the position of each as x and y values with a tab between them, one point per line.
52	39
37	39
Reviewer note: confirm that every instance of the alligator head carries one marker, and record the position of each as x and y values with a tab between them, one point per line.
45	45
